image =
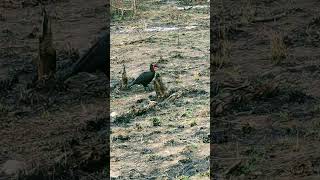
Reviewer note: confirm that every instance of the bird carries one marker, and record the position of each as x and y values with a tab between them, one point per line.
146	77
95	58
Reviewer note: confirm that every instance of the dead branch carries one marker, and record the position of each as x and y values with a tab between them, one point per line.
234	167
267	19
136	41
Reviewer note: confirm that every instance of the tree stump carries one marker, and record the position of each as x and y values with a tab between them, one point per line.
159	87
124	82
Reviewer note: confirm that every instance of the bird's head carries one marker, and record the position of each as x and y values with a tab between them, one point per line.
153	67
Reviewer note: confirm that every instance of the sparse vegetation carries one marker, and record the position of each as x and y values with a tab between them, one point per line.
123	9
70	52
154	157
184	178
284	116
3	110
187	113
139	127
186	2
45	115
222	55
156	121
196	76
247	11
193	123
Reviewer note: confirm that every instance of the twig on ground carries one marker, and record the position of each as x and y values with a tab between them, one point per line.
267	19
233	167
135	41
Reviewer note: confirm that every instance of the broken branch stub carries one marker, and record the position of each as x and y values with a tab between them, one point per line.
160	88
124	82
47	53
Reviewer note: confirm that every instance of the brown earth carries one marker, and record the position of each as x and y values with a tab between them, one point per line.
265	113
58	133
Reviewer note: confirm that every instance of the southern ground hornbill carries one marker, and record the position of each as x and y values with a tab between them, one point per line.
146	77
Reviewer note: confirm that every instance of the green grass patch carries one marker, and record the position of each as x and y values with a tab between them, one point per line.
156	121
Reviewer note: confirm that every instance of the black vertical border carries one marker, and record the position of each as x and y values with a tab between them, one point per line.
211	95
211	92
108	22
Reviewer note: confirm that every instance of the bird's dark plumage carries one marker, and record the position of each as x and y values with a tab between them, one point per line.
96	57
145	78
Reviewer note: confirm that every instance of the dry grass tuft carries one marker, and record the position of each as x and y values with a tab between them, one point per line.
247	11
223	56
278	48
3	110
193	123
121	9
222	46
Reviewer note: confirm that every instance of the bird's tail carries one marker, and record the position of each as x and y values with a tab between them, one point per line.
131	84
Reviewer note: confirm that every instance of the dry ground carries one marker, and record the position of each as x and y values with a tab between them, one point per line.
169	141
60	132
266	110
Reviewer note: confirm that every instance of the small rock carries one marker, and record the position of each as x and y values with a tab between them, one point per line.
152	96
113	114
152	103
12	167
121	138
146	151
257	173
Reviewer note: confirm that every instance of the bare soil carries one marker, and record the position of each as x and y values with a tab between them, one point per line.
57	133
265	114
168	139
